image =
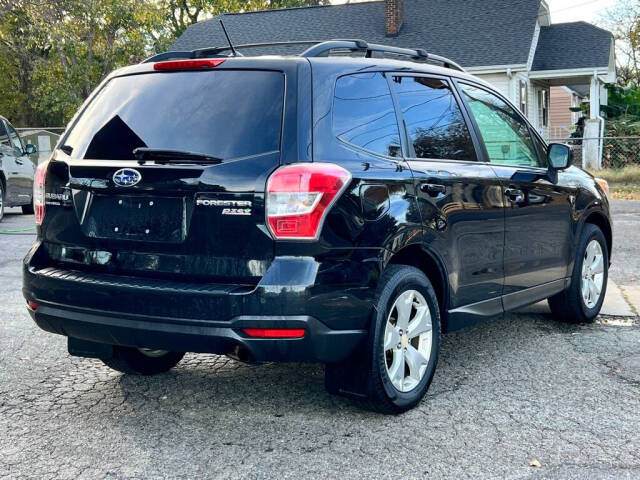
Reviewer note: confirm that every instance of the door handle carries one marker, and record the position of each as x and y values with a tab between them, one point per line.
433	189
19	162
515	195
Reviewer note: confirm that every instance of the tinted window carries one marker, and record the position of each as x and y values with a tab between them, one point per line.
505	134
226	114
15	139
434	121
363	114
4	138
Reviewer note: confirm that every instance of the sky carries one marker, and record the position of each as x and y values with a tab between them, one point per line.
576	10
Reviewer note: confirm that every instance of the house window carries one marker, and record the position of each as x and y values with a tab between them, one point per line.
543	107
523	97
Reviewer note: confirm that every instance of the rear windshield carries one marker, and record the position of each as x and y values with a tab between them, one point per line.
225	114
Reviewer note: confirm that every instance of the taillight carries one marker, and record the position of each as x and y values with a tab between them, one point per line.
299	197
188	64
275	332
38	191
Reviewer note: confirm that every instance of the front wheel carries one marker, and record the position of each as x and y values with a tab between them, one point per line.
582	301
405	340
142	361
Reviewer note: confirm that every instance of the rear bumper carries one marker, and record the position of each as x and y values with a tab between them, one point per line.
334	309
319	344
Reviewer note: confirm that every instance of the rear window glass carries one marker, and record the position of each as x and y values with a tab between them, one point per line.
363	114
225	114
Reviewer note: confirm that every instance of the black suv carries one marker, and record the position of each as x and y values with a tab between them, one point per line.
320	208
16	170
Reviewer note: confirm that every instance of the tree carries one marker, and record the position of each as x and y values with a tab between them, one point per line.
624	21
54	53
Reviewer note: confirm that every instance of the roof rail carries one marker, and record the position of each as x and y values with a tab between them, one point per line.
318	49
323	49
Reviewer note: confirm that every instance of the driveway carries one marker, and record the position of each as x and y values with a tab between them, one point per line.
507	394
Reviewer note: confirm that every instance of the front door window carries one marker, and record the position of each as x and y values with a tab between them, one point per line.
505	133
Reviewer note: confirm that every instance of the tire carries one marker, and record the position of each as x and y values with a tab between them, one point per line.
27	209
134	361
399	285
570	305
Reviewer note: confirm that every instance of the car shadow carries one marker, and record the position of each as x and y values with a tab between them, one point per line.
204	382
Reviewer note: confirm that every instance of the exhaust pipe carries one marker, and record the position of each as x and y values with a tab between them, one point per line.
241	354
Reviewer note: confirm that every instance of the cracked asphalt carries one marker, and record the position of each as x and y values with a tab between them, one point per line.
506	392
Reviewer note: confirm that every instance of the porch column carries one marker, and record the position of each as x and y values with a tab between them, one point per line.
591	153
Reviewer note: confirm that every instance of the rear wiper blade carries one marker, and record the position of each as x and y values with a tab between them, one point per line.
161	155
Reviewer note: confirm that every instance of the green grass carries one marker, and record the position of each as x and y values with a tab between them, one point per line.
624	191
630	174
624	183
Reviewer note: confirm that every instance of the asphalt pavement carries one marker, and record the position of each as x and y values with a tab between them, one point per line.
519	397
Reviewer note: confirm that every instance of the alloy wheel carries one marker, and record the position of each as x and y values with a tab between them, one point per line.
592	274
408	339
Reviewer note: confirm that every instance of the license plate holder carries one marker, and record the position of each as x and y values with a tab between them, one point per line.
142	218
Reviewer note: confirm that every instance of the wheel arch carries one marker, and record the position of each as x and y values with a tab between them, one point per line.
600	220
419	256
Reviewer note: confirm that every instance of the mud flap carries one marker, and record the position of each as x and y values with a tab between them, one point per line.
84	348
351	377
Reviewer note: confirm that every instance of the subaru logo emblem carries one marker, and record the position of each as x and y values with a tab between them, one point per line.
127	177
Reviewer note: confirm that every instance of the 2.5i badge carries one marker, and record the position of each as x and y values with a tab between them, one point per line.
226	205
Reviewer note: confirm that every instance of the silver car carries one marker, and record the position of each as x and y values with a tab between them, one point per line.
16	170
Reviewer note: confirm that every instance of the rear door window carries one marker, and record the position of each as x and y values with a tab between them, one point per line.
434	121
225	113
364	116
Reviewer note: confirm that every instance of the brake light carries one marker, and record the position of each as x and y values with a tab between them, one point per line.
274	332
299	197
38	191
188	64
33	305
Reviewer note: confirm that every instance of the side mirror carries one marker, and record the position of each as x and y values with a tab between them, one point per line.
559	156
30	149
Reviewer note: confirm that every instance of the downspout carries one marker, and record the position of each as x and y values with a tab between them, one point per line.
601	147
601	143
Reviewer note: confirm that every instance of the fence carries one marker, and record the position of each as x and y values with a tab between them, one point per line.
44	139
617	152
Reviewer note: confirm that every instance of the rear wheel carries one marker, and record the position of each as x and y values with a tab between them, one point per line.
142	361
394	371
582	301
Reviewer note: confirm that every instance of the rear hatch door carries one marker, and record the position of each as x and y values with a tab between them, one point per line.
160	211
